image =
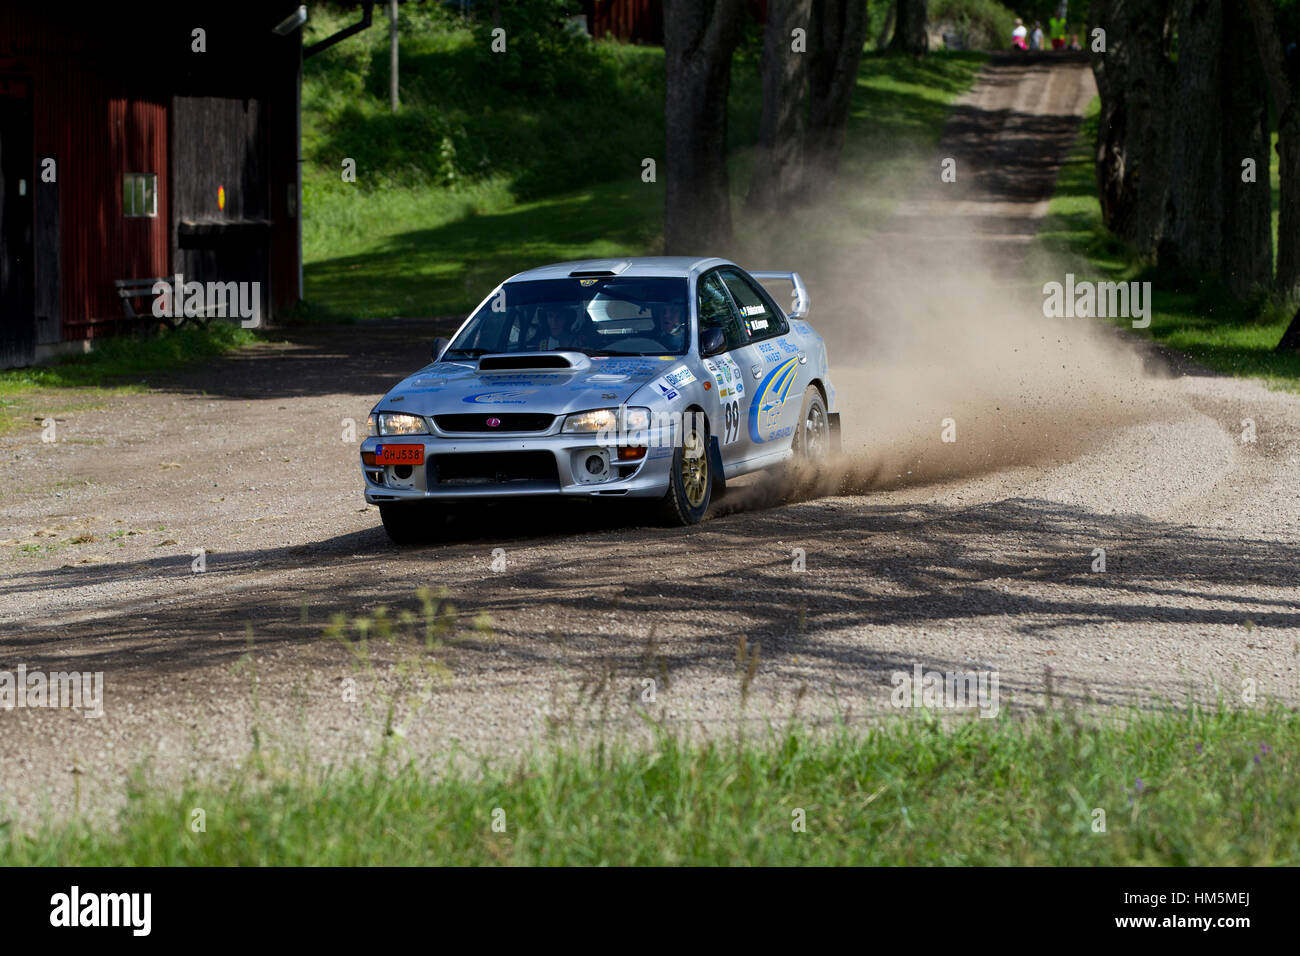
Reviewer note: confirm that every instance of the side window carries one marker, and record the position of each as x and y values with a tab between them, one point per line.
761	321
717	312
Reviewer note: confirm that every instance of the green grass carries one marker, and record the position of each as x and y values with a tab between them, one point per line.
1198	787
117	365
481	174
1191	314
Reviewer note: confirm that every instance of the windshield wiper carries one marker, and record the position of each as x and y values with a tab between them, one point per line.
467	353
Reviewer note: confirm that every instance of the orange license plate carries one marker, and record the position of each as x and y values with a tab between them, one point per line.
399	454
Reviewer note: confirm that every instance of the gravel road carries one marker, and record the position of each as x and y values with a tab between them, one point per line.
982	563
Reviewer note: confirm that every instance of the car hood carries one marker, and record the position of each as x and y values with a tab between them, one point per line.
446	388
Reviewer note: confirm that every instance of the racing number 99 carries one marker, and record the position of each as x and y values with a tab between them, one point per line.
731	414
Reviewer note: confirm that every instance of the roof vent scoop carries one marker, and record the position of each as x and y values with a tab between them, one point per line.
600	268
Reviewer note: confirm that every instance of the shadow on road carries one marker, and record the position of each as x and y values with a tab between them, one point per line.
914	565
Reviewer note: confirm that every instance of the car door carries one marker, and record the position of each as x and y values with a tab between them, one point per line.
776	398
730	369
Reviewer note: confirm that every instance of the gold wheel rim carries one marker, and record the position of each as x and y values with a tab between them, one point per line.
695	471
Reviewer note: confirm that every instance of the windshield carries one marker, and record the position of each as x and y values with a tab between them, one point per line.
599	316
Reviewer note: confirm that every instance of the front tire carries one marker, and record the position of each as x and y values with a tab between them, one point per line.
411	523
690	481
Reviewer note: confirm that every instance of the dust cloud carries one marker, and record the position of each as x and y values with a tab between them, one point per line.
935	330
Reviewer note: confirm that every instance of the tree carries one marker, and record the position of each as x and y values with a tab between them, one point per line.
1135	78
1175	132
700	37
1213	221
1247	261
807	92
1271	24
778	172
909	28
839	30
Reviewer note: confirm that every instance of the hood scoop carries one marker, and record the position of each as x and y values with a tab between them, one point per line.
533	360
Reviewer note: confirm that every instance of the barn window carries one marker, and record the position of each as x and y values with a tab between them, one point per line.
140	194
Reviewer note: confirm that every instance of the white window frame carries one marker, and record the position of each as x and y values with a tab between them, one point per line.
136	185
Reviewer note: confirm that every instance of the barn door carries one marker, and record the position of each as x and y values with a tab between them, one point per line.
220	196
17	186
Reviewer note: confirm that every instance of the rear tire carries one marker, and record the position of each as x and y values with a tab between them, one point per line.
812	435
411	522
811	446
690	481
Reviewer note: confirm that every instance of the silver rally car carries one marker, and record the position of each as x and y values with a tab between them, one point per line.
654	378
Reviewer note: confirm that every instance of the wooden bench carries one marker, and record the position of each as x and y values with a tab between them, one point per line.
130	290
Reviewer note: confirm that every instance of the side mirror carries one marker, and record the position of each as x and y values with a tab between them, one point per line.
712	341
439	346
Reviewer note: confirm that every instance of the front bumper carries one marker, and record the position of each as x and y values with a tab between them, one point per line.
513	467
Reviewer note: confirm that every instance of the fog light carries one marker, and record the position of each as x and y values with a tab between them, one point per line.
595	465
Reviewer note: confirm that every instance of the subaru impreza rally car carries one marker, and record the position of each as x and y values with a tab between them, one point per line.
654	379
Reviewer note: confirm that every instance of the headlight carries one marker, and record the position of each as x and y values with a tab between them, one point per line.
391	423
607	420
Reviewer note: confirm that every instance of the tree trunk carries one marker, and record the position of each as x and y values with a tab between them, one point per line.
1191	236
1286	281
1135	79
778	172
1247	263
699	39
1290	341
1286	103
839	30
887	28
1215	223
909	28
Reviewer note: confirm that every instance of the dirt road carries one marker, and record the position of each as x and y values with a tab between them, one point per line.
985	562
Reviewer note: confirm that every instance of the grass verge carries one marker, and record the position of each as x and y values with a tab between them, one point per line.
1203	787
29	395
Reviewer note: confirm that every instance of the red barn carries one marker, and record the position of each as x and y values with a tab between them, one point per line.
142	140
639	21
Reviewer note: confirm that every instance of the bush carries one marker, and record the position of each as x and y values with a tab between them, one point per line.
981	24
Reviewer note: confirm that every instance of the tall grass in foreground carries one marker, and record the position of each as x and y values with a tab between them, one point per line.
1178	787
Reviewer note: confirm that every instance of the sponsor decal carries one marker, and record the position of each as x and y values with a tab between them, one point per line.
615	366
585	283
679	377
663	388
499	398
726	373
768	403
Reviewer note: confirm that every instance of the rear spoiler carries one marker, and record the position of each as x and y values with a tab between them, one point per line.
801	301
